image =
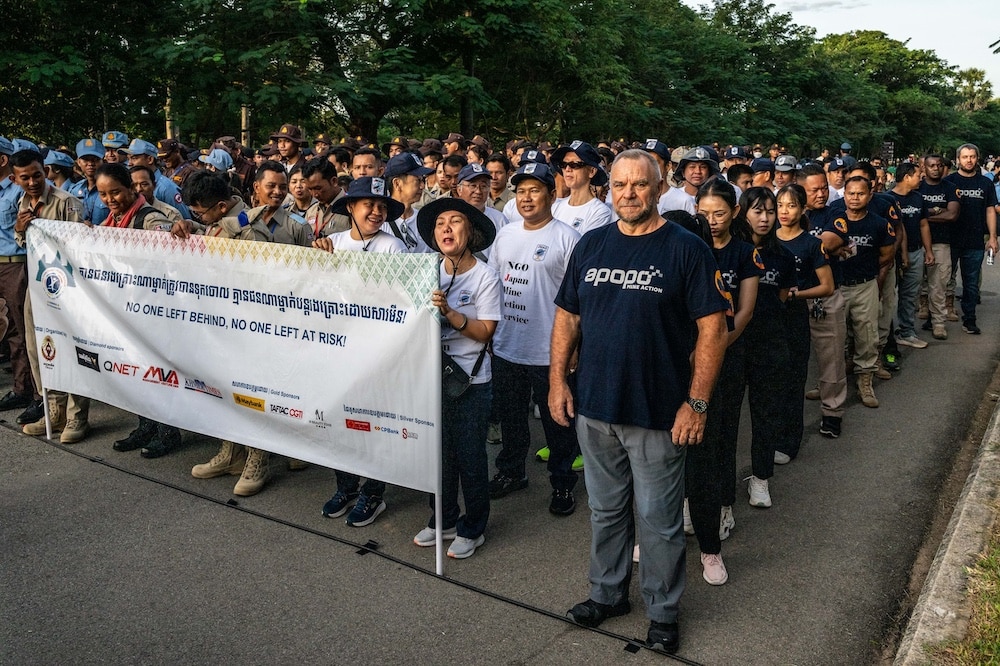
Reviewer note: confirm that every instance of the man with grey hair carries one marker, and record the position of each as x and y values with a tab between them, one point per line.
637	406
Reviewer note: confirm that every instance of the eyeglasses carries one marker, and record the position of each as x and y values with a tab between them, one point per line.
573	165
478	187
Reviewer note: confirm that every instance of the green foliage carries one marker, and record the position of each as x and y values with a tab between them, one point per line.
734	71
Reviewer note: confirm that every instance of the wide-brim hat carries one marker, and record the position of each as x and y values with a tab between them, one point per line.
427	219
699	154
587	154
400	141
368	187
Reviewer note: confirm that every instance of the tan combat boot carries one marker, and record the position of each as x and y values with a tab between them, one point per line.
949	307
866	391
922	310
254	473
229	460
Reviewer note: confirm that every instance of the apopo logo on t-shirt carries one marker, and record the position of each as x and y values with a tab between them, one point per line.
627	279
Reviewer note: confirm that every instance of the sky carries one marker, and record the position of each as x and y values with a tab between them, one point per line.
959	32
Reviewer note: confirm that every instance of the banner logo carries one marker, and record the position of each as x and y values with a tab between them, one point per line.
48	348
318	420
290	412
358	425
248	401
156	375
55	276
88	359
201	387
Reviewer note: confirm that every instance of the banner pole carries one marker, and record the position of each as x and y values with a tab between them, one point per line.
438	523
48	417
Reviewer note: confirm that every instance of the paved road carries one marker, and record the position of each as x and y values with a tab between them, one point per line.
126	560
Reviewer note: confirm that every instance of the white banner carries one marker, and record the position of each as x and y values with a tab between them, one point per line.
328	358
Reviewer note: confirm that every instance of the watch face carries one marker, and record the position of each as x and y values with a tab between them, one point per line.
699	406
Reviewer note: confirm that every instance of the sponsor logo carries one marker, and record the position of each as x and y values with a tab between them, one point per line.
48	348
409	434
318	420
626	279
542	250
358	425
387	431
114	367
55	276
88	359
249	402
155	375
290	412
201	387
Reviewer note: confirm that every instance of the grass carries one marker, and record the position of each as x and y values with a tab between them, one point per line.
981	645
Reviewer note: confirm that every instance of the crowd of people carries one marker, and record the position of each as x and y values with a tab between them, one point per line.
629	295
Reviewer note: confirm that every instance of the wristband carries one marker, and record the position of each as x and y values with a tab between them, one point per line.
464	324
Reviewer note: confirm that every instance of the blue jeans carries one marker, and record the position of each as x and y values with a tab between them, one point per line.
627	464
970	263
513	384
464	421
909	289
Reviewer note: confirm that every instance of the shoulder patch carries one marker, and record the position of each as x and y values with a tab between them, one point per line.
840	224
890	230
177	198
757	261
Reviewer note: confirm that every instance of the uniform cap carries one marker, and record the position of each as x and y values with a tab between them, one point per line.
89	148
57	158
114	139
218	158
140	147
406	163
166	146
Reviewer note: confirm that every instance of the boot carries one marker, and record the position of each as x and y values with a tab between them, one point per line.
229	460
922	311
949	307
866	391
139	437
880	370
254	473
57	414
167	439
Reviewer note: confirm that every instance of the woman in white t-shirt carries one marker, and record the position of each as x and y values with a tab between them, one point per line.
368	206
469	301
580	166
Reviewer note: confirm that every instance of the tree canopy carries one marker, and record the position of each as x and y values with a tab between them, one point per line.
734	71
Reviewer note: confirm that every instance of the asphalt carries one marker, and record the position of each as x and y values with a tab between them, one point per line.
110	558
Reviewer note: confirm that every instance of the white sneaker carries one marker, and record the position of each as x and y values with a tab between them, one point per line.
688	525
428	536
714	569
759	494
911	341
781	458
726	523
463	547
635	554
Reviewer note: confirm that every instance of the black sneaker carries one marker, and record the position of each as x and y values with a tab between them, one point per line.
890	361
663	637
32	414
338	505
591	613
970	327
563	503
138	438
830	427
502	485
927	325
14	401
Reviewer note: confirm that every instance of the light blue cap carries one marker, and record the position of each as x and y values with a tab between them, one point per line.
140	147
58	159
218	158
24	144
89	148
6	146
115	139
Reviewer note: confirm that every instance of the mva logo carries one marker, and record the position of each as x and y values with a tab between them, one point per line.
157	375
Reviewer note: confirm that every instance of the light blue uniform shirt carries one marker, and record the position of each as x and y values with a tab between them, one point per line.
10	194
94	209
166	190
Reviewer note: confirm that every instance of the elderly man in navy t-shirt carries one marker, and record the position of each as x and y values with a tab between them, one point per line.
637	298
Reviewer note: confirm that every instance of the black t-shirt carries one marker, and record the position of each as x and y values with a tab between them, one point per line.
778	274
823	220
938	196
865	238
882	204
975	194
737	261
809	255
636	297
911	211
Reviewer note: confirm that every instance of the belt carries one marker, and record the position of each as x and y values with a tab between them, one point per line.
15	259
851	283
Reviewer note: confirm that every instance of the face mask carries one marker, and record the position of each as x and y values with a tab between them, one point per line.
757	153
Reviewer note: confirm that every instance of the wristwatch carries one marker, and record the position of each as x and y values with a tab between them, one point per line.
698	405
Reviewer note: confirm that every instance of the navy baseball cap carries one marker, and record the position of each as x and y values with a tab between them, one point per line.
846	146
736	152
472	171
533	156
406	163
658	147
762	164
536	170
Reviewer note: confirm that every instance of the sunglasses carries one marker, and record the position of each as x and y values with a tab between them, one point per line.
573	165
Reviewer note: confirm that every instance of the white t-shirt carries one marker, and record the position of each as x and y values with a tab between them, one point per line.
590	215
380	242
677	199
510	212
531	265
477	294
498	220
411	238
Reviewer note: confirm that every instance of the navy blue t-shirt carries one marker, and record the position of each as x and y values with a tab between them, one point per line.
636	297
866	237
737	261
911	211
938	196
974	195
778	274
809	255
